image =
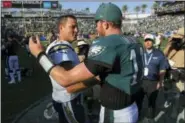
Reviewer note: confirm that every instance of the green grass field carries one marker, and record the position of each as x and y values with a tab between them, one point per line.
19	96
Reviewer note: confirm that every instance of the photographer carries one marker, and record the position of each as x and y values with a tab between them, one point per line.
175	51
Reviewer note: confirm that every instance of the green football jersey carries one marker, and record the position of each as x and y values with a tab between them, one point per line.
123	59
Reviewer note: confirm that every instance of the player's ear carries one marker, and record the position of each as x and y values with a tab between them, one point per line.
104	25
107	25
61	26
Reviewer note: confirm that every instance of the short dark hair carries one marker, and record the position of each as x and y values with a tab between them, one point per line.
116	25
63	19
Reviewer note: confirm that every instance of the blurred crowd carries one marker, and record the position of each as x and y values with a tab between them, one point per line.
154	23
174	6
43	25
160	23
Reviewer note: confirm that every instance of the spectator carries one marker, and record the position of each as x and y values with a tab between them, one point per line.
154	71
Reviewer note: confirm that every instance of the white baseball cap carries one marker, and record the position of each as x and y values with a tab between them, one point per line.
150	37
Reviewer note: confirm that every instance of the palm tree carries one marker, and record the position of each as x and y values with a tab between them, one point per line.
155	5
87	9
143	8
124	9
137	9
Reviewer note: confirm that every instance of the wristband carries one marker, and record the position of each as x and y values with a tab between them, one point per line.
45	62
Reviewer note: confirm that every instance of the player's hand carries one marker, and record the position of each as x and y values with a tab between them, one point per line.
35	46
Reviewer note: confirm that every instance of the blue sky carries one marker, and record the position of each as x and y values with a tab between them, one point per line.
94	5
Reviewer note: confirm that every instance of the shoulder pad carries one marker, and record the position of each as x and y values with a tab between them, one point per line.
58	48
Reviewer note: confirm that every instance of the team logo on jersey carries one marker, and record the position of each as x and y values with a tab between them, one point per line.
96	50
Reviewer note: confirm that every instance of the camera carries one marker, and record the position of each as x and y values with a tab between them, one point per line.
178	43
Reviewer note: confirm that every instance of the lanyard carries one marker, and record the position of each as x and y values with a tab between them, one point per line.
147	62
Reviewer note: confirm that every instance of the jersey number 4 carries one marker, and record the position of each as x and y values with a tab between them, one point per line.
135	65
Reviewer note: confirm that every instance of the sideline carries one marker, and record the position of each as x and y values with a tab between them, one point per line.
20	115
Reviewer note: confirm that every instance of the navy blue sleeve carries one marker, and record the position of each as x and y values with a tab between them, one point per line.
163	65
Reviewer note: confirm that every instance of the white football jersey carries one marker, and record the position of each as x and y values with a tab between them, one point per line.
58	52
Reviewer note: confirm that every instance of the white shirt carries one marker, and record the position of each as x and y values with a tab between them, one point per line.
158	40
